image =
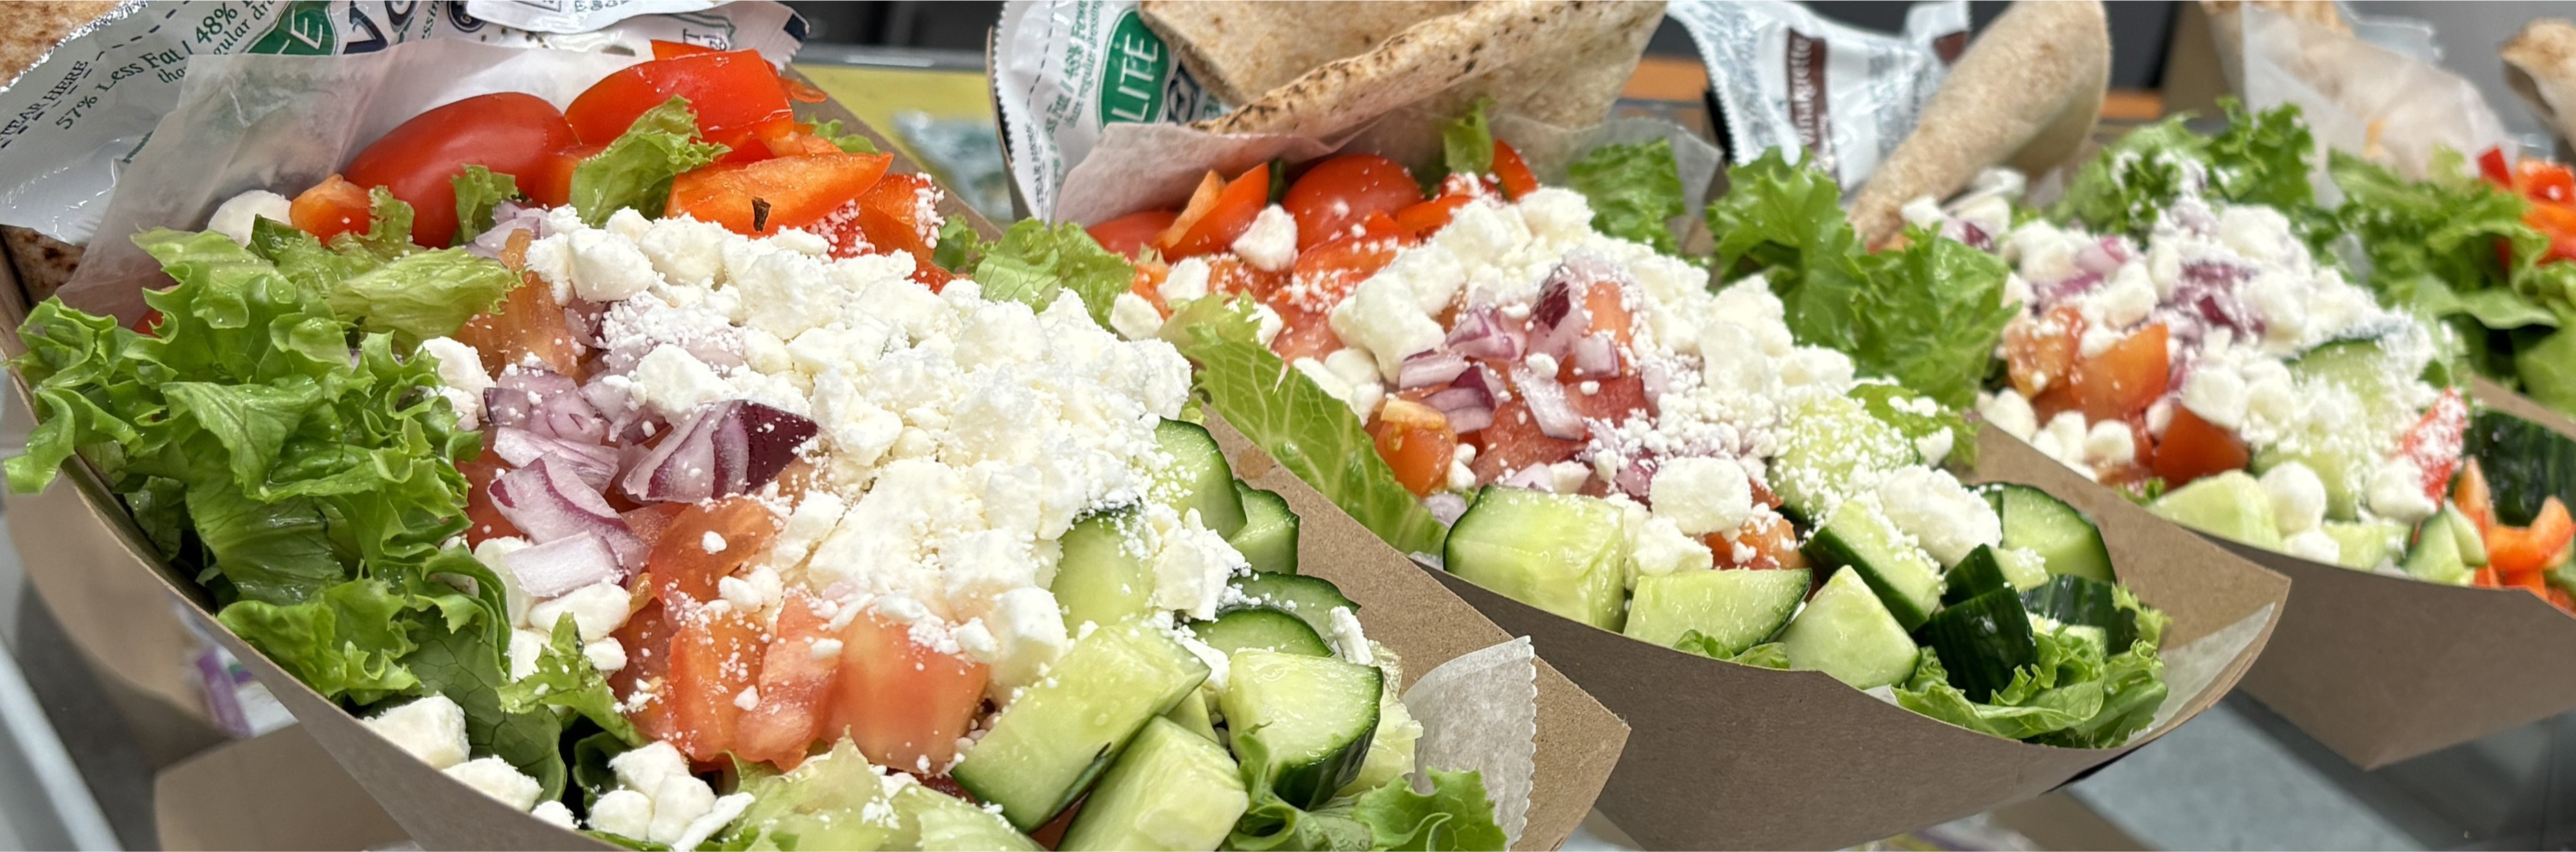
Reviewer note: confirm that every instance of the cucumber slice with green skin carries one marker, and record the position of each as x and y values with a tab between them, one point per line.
2439	555
2525	464
1198	477
1832	442
1262	628
1191	713
2057	532
2024	569
1978	573
2362	368
2472	543
1308	718
2231	505
2068	599
1736	609
1098	579
2362	545
1846	632
1049	745
1563	553
1169	791
949	824
1859	535
1268	539
1981	641
1310	599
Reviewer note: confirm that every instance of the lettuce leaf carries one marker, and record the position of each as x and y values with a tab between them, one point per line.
1769	655
830	130
959	246
2261	158
478	191
1927	316
1455	815
1467	142
636	170
565	678
1033	262
1900	408
423	295
347	641
1310	433
1635	190
2075	696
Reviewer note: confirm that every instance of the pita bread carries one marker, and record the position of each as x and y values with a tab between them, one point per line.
2319	12
1234	48
1561	62
41	262
29	29
2026	93
2540	64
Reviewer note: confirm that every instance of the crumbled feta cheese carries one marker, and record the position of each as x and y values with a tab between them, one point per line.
676	383
623	812
678	802
1134	318
1940	514
1567	477
494	777
1702	495
526	647
597	610
430	728
1347	637
1191	569
2314	544
2298	497
726	809
514	598
645	767
1922	212
460	377
2109	444
1187	281
1270	324
1383	317
1659	547
2009	412
1270	244
2397	492
554	813
607	269
236	215
1028	635
606	655
1217	662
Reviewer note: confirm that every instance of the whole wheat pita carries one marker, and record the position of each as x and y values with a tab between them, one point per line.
2540	64
1241	49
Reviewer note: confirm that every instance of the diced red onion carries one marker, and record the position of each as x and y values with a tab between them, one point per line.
544	403
1637	477
1446	506
1558	318
1428	369
1456	398
2053	292
548	501
1534	477
595	464
2098	258
1653	375
507	216
1469	419
1596	355
1547	404
1482	333
729	448
564	564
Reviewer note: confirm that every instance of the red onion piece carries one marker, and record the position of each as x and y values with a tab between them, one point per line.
1446	506
595	464
545	403
548	501
1456	398
1482	333
1656	379
732	447
1558	318
1469	419
1596	355
1547	404
1428	369
564	564
2098	258
1534	477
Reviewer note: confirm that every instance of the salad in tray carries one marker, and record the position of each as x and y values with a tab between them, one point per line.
2187	335
635	465
1524	382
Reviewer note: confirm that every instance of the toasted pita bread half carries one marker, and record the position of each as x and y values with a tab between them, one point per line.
1242	49
2319	12
1560	61
2540	65
29	29
42	263
2026	93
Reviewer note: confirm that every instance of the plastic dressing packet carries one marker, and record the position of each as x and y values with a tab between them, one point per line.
1784	77
1066	69
75	119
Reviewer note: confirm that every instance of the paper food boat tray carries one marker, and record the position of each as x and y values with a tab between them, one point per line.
2383	668
1725	756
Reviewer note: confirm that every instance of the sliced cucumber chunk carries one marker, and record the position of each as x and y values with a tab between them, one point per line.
1981	571
1268	539
1099	579
1830	444
1305	721
1981	641
949	824
1859	535
1736	609
2024	569
2448	549
1198	477
1846	632
2364	544
1310	599
2057	532
1048	746
2525	464
1171	791
1563	553
2231	505
2069	599
1264	628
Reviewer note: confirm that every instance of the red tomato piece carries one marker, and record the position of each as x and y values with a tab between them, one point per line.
1220	220
1303	334
1514	175
903	704
2124	379
684	573
647	640
2039	354
889	217
2531	550
1614	399
1422	220
511	133
651	521
2193	448
331	208
1415	440
795	685
2492	166
1343	191
2542	180
757	199
733	93
1125	235
2434	444
1327	273
483	520
1770	539
1608	307
2473	498
675	49
715	655
1514	442
527	324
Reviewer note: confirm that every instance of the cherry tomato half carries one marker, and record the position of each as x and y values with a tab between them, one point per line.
334	207
1344	190
511	133
1125	235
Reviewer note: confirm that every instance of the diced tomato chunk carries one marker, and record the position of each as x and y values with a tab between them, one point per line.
1768	541
1608	306
331	208
1514	175
796	677
903	704
648	522
483	519
1303	334
684	572
1422	220
2193	448
1514	442
2434	444
527	324
2473	498
2039	354
2544	181
1326	274
715	656
1416	442
1125	235
1346	190
2123	380
1616	399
